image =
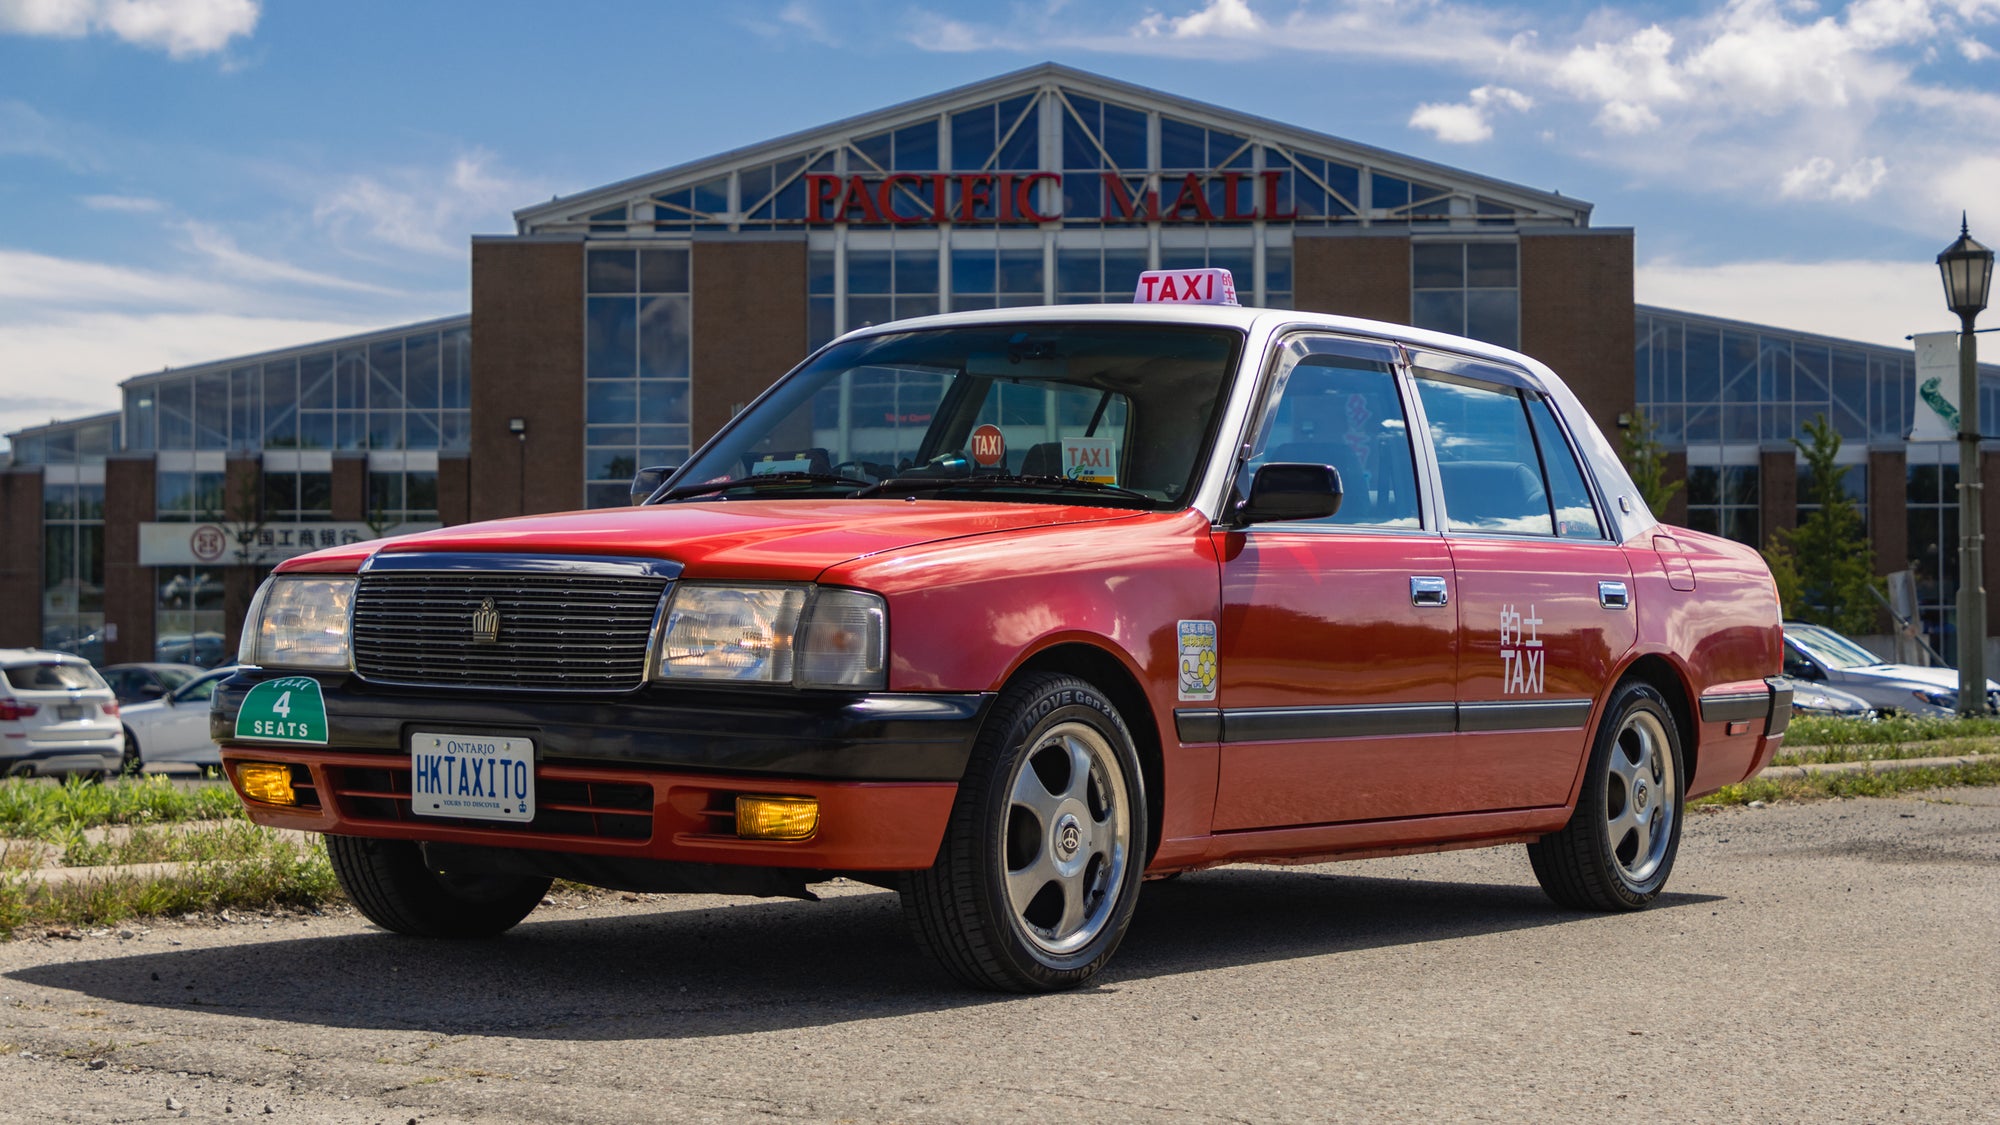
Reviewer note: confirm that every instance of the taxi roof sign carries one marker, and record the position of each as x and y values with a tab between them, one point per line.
1212	286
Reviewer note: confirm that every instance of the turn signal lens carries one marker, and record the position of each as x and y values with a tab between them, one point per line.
777	818
273	784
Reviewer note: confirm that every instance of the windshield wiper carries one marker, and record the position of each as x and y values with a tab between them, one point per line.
758	480
1003	480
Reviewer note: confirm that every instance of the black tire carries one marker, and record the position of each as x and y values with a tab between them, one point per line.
1619	845
390	884
1041	863
130	763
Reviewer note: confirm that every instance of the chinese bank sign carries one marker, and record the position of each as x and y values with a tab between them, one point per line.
230	544
1016	197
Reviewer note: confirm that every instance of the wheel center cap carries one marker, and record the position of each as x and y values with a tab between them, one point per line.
1069	836
1640	793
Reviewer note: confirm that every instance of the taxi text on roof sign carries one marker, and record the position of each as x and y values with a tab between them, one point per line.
1186	287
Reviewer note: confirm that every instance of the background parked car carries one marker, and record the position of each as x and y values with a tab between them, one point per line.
174	729
1818	654
57	716
137	683
1822	701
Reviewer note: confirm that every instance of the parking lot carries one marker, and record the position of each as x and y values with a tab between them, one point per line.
1820	961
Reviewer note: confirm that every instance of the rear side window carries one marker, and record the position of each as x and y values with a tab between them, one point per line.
1487	459
1576	516
52	677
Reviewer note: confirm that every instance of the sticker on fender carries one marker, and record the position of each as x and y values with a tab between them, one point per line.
1197	661
480	776
284	710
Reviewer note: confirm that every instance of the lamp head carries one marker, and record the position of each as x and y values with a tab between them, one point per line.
1967	269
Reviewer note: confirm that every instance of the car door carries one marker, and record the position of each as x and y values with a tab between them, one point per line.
1544	613
184	729
1338	642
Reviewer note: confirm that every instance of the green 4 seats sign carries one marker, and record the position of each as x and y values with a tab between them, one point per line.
286	710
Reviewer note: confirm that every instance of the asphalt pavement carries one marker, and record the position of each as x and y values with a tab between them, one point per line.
1824	961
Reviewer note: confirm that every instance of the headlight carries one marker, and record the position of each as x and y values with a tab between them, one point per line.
800	635
298	623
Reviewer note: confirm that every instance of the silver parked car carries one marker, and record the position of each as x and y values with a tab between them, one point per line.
1816	653
57	716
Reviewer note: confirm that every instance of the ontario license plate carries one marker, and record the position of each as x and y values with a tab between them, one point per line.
476	776
68	712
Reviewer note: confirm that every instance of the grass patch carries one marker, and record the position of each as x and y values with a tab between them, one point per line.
263	871
37	810
229	841
1810	730
1858	784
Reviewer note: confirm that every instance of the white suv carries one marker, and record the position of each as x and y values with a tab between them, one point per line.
57	716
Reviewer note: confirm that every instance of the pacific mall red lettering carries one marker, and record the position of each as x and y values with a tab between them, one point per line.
1008	198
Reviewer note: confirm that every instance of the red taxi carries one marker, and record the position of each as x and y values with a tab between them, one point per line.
1012	610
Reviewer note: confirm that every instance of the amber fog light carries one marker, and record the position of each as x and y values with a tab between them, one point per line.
273	784
777	818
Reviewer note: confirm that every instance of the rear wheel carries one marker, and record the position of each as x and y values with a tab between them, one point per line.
1040	868
389	882
1619	845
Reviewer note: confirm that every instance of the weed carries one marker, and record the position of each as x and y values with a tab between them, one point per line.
1858	784
1810	730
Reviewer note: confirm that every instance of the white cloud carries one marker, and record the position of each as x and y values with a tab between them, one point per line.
425	210
221	249
1469	121
1974	50
130	204
181	28
1816	179
1878	302
1220	18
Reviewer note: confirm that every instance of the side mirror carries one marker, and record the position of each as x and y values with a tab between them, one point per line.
1288	491
647	481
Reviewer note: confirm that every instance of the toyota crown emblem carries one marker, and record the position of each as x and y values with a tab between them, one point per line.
486	622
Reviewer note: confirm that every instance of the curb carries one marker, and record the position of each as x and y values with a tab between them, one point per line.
1880	765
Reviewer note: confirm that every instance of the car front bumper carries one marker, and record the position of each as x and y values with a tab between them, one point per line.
648	775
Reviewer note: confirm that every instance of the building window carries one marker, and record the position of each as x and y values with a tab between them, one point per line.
73	569
1467	289
188	618
1931	495
1723	500
189	496
637	360
886	285
1008	277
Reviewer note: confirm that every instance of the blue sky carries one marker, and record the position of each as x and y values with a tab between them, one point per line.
185	180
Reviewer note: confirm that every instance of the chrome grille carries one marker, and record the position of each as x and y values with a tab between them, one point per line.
557	631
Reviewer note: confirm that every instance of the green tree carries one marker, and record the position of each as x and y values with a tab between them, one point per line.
1824	567
1646	460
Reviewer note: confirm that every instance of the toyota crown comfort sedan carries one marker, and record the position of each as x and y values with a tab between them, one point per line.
1012	610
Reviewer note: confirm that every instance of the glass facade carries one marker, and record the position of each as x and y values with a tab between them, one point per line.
637	356
408	389
71	456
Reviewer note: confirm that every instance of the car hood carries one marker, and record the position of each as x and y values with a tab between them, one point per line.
754	539
1902	676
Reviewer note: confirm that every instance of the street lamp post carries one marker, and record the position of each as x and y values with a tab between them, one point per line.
1967	268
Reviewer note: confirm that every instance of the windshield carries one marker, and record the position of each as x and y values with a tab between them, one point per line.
1111	414
1831	649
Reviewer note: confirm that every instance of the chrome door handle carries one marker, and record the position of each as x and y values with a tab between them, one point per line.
1613	595
1425	590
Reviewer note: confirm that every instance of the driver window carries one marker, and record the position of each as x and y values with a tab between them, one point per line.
1344	412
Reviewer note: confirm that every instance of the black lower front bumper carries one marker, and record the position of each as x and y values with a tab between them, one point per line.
837	736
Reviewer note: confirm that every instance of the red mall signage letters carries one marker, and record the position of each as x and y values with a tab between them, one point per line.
1011	197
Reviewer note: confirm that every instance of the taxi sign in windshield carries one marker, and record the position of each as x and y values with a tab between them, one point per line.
1212	286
